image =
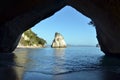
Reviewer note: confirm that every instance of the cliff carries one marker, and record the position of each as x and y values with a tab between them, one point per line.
58	41
30	39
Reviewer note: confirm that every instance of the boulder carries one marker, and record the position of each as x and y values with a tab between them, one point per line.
58	41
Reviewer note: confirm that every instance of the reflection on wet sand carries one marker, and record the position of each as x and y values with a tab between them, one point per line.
8	68
12	65
59	55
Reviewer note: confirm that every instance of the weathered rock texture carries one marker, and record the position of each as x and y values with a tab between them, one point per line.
58	41
16	16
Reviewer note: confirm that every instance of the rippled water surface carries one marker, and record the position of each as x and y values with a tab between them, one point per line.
67	64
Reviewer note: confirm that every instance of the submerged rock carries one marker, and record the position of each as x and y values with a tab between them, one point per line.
58	41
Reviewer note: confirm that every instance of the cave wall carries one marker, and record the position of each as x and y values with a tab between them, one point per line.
21	16
18	16
105	15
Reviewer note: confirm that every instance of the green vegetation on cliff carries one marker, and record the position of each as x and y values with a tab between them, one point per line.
29	38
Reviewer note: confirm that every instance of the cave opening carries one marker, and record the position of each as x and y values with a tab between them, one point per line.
77	33
73	25
63	63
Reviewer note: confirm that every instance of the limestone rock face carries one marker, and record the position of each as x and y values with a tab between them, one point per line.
58	41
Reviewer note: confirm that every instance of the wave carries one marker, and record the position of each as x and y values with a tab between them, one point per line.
67	71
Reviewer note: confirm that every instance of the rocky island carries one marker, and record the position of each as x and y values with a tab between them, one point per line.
30	39
58	41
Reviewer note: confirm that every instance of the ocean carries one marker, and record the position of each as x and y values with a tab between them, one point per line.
71	63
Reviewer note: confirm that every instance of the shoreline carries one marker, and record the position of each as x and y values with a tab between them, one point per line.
30	47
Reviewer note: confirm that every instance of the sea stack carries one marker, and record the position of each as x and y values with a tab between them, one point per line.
58	41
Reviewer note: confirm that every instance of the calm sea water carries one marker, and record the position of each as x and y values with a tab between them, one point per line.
66	63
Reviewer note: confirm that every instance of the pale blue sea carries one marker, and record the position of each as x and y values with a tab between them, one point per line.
71	63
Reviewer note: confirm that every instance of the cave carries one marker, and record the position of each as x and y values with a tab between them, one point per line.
18	16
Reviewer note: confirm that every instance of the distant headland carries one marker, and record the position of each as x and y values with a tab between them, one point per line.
30	40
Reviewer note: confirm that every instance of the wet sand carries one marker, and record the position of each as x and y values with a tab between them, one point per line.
17	73
83	75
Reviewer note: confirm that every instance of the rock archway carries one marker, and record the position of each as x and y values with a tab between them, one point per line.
18	16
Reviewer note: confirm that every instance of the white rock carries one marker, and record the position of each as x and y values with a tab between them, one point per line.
58	41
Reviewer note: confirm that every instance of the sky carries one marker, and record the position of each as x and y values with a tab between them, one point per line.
71	24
